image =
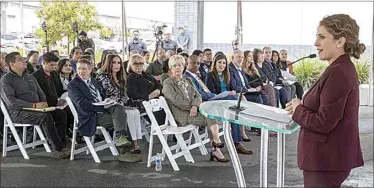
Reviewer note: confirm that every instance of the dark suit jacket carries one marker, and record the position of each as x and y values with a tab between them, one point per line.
82	99
49	90
329	137
204	69
204	95
215	85
140	86
58	83
234	76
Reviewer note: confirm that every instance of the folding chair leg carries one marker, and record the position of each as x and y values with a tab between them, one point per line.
34	136
91	149
5	139
186	152
73	141
163	150
24	134
19	143
41	136
168	153
150	149
109	141
92	141
198	140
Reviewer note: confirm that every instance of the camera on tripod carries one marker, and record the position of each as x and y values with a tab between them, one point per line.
159	30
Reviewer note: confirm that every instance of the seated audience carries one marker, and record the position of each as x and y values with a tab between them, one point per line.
217	81
142	86
64	76
267	69
75	55
32	61
146	55
251	73
191	72
113	82
84	91
275	60
56	53
238	76
155	68
20	90
184	100
286	65
125	63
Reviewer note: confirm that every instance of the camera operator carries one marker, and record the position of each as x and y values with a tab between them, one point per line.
169	44
84	42
137	44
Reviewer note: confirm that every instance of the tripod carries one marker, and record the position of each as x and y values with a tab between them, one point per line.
158	44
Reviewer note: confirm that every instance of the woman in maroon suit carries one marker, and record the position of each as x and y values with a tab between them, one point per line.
329	143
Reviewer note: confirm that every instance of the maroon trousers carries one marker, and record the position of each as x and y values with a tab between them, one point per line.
324	178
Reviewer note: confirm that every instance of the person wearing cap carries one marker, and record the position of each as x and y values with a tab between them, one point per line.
84	42
183	39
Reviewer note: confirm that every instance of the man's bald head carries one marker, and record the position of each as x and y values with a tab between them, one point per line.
237	58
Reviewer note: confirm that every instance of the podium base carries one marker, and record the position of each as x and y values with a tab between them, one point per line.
236	108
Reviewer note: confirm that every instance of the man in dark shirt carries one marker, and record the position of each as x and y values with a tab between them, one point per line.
20	90
84	42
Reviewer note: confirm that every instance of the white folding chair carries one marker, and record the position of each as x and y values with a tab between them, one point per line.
21	145
91	146
170	128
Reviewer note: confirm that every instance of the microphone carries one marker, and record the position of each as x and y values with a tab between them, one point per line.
238	108
311	56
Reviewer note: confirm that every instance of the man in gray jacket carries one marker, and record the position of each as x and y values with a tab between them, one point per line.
20	90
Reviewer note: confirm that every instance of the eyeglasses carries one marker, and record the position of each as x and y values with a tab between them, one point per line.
138	64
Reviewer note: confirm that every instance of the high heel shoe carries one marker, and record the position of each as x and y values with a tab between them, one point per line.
213	156
218	145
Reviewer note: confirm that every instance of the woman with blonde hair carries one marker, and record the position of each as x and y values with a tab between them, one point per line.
3	66
184	100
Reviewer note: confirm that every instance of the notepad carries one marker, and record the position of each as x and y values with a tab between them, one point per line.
48	109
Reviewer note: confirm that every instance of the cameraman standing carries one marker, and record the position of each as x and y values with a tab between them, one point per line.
137	44
84	42
169	44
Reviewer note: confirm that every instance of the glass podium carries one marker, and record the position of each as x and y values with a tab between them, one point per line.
266	118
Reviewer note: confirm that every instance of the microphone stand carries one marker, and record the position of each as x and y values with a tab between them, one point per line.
238	108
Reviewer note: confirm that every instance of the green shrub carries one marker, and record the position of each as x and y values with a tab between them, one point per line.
308	71
362	69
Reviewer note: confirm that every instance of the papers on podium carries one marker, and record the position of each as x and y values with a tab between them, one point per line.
267	113
221	95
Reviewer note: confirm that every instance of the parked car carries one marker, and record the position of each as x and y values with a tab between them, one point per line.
10	40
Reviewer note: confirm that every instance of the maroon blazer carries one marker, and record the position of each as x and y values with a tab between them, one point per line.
329	136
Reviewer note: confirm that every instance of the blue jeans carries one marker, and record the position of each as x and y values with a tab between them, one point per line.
282	97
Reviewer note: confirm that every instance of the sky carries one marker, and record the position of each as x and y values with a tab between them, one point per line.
263	22
281	23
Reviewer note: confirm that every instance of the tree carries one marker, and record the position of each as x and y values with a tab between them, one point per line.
60	16
106	32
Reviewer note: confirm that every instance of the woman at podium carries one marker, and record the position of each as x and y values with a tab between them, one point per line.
329	143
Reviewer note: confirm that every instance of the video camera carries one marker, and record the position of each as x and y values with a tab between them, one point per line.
159	30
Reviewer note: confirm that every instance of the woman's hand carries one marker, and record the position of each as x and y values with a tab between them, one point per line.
291	106
259	88
233	92
193	111
154	94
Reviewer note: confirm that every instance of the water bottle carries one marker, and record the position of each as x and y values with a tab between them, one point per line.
158	162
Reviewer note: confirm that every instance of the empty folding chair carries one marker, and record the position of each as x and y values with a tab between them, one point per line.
91	146
170	128
21	145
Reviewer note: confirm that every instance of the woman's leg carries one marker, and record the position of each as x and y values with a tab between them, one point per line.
133	119
283	97
236	133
